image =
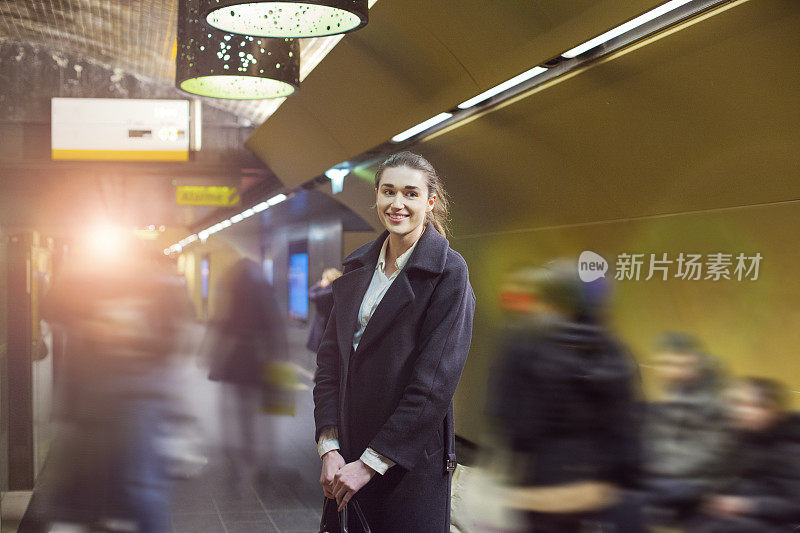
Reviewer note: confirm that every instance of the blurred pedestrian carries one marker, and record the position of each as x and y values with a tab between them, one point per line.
763	494
321	293
122	316
563	400
249	333
685	439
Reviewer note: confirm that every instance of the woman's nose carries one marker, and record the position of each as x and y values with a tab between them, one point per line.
397	203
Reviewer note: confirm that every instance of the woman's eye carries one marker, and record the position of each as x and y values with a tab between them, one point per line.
388	192
412	195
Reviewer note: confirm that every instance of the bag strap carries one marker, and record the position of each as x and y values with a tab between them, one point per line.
361	518
343	515
450	461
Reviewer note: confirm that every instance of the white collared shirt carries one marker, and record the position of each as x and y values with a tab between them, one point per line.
329	438
377	288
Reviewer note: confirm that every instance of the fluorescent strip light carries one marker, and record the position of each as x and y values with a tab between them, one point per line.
497	89
236	218
203	235
191	238
247	213
278	198
628	26
419	128
260	207
226	223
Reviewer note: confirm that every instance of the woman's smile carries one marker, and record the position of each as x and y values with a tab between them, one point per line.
396	217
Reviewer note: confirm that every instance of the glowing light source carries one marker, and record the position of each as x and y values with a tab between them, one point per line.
497	89
260	207
624	28
278	198
223	65
337	175
286	18
419	128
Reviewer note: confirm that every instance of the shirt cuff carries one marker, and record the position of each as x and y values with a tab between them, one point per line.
328	440
376	461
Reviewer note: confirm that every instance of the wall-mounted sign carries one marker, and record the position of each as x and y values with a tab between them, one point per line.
118	129
196	195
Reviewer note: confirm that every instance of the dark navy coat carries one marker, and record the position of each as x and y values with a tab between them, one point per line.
394	393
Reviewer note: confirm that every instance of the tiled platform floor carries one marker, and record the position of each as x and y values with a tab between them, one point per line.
283	494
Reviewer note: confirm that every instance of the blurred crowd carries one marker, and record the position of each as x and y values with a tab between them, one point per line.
128	426
584	452
575	447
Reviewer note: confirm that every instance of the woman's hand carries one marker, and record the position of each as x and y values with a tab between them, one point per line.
332	462
349	480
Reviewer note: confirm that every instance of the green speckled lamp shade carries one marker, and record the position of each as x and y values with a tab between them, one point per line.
286	18
223	65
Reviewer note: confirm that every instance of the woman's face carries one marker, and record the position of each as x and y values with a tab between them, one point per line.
402	200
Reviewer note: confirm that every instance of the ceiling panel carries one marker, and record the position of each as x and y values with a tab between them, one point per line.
415	59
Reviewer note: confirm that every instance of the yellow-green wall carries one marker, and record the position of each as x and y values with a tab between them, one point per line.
750	325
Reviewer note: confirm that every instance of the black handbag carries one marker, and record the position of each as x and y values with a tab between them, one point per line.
324	527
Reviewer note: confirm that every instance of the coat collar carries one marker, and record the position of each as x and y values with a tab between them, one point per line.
430	254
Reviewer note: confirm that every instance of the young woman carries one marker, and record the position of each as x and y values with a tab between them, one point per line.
391	358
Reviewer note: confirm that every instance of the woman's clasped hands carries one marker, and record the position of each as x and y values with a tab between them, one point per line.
341	481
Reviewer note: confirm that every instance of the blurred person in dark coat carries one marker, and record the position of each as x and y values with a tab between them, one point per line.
122	316
686	442
249	333
763	492
563	400
321	293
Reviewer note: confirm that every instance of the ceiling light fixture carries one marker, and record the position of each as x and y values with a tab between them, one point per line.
337	175
286	18
278	198
419	128
626	27
497	89
222	65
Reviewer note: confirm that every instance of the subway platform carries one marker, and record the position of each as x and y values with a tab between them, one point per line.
281	495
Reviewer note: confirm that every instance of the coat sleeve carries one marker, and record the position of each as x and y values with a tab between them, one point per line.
326	379
443	343
783	506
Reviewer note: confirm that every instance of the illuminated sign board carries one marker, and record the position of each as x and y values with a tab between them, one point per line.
118	129
196	195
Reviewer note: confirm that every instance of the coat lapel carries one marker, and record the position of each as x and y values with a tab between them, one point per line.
429	255
398	296
348	291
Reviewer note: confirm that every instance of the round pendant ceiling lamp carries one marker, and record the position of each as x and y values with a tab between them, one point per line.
223	65
286	18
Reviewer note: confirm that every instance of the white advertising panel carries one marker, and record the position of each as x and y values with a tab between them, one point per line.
116	129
